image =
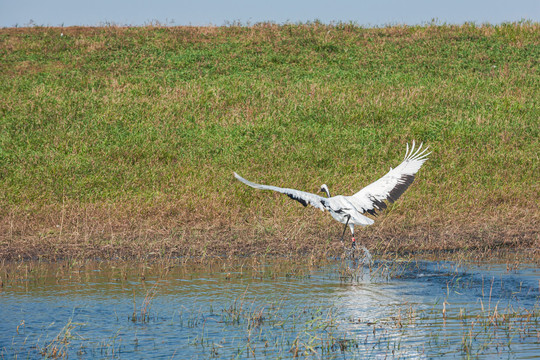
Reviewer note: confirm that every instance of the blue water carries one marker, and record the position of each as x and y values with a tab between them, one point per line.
398	310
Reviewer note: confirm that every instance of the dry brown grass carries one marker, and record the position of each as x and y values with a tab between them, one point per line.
121	231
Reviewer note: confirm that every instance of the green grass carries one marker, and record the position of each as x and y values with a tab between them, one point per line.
161	117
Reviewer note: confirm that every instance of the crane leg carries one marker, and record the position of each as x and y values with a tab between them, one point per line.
345	228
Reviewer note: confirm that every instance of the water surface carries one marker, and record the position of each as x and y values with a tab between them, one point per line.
419	309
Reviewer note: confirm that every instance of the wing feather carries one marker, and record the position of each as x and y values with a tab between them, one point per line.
302	197
392	185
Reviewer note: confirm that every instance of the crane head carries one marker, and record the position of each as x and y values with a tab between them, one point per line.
324	189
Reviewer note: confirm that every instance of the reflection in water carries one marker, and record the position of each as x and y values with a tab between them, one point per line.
405	310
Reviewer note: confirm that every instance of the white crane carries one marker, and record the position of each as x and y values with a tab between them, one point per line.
348	210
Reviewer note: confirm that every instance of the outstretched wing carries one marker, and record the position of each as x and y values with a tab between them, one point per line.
390	187
302	197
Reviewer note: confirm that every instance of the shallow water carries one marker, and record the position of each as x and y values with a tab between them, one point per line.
419	309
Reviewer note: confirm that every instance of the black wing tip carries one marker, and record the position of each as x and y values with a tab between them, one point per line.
404	182
372	212
380	205
300	200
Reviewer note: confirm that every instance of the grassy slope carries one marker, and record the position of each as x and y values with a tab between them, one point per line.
127	137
